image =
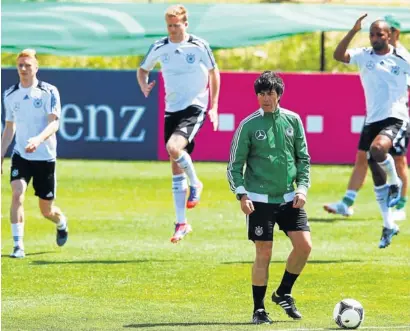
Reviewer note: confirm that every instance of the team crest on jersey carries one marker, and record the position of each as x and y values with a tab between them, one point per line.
16	106
165	58
370	65
395	70
37	102
258	231
289	132
260	135
190	58
15	173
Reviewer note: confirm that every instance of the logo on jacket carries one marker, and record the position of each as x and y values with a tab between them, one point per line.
190	58
259	231
289	132
260	135
37	103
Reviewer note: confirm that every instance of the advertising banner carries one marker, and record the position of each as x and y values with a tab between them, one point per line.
331	106
104	114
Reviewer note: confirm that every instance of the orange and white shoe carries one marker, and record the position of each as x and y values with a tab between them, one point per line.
181	230
194	195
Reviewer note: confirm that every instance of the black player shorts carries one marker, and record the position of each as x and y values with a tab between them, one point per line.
397	130
262	221
186	123
42	172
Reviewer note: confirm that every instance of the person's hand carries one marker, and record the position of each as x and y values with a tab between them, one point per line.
32	145
299	200
146	89
213	116
247	205
358	25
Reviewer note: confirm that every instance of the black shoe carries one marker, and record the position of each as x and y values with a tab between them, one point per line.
288	304
261	317
62	236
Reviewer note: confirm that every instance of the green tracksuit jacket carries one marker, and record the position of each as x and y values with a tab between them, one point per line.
273	148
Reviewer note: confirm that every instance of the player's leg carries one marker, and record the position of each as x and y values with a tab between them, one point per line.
382	191
294	222
356	181
260	231
179	191
20	175
18	188
44	184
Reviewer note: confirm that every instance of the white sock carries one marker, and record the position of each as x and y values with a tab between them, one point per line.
179	189
390	168
185	163
62	224
382	193
17	230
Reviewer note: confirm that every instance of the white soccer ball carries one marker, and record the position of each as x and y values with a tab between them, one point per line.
348	314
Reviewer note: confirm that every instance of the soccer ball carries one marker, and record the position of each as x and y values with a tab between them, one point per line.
348	314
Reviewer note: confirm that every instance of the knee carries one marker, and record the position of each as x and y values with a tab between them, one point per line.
46	212
18	197
377	152
304	249
173	149
264	255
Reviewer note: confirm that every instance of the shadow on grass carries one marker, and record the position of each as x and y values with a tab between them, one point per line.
29	254
309	262
333	219
153	325
96	262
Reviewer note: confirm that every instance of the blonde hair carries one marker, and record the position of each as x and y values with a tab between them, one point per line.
177	11
27	52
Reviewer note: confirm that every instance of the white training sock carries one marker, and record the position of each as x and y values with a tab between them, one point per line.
179	189
17	230
62	224
390	168
185	163
382	193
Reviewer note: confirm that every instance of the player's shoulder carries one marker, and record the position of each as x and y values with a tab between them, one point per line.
402	53
47	87
159	43
8	92
200	42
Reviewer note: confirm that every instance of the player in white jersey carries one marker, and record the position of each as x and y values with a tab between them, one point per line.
344	207
187	64
32	116
383	72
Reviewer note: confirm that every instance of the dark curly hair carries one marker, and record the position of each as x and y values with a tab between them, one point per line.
269	81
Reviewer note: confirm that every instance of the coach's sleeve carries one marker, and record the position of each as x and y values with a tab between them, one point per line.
302	159
238	156
54	105
356	54
208	57
150	59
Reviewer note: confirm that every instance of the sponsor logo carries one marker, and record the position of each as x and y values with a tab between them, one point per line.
260	135
165	58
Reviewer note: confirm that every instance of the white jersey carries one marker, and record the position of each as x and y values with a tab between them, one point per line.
185	67
29	108
384	80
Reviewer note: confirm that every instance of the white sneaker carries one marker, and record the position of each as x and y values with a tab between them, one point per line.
339	208
398	214
18	253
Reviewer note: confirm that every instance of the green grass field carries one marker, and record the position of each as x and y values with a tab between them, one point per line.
119	271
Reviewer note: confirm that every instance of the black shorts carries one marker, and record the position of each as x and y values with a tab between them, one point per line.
262	221
186	123
397	130
43	173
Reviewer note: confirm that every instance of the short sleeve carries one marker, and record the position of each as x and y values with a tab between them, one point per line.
53	105
208	57
150	59
356	55
8	108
